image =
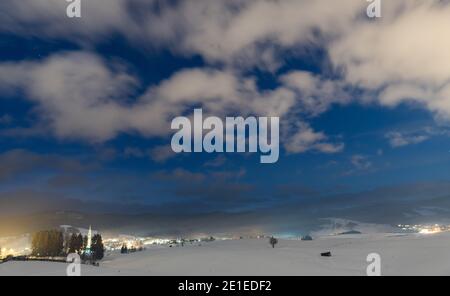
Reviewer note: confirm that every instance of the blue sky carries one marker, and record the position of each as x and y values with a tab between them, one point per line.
86	104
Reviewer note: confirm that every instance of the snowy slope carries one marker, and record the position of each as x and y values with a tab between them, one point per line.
401	255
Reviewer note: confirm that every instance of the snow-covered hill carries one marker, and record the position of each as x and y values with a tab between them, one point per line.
410	254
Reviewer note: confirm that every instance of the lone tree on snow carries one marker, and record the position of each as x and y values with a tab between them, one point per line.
273	241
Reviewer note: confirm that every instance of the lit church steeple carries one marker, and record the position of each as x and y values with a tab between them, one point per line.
89	242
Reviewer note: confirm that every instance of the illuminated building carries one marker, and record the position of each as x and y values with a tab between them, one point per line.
88	250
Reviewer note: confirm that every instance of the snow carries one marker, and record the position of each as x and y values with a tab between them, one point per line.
82	231
410	254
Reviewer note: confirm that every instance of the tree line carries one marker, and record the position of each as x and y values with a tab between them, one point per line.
53	243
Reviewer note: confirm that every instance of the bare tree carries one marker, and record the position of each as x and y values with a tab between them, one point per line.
273	241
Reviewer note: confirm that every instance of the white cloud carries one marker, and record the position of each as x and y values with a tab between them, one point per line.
239	32
134	152
315	95
404	56
78	95
249	31
361	162
219	161
162	153
236	30
306	139
400	139
47	18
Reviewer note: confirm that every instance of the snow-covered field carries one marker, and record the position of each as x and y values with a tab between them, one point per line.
400	254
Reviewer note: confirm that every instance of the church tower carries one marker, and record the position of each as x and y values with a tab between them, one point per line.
88	251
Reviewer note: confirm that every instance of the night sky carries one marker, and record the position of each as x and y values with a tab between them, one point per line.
364	104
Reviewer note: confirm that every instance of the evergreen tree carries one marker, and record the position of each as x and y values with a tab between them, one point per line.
36	244
55	245
76	243
48	243
39	244
58	243
73	244
98	249
79	243
67	241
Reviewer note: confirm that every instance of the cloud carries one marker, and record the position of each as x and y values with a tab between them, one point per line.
47	18
248	32
64	181
162	153
25	211
238	32
306	139
214	189
180	176
158	154
76	93
288	191
19	162
229	175
134	152
315	95
6	119
368	52
234	195
361	162
411	137
402	57
219	161
397	139
399	58
78	96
